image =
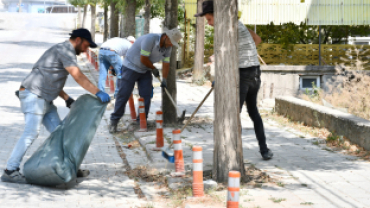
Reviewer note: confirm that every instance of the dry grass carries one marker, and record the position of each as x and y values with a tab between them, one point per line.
350	92
333	141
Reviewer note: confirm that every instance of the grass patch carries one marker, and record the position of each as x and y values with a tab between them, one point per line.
306	203
277	200
280	184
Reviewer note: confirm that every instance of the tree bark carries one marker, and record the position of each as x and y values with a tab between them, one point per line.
93	20
228	150
198	72
170	22
113	30
79	17
129	23
83	24
105	33
147	15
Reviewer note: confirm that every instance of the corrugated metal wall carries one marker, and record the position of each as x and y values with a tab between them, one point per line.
313	12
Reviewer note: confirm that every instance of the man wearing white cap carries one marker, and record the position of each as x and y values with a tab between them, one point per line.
109	55
138	66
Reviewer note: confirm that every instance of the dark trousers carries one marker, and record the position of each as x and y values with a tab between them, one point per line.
250	82
125	87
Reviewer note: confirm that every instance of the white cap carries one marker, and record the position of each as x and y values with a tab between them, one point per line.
130	38
174	35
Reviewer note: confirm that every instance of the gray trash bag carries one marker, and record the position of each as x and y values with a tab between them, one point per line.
57	160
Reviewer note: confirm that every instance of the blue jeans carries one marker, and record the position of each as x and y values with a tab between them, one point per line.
125	87
106	59
36	111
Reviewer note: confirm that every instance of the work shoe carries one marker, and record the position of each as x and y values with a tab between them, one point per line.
13	176
112	127
267	155
82	173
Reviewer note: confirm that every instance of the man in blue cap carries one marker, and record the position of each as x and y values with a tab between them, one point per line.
43	85
250	75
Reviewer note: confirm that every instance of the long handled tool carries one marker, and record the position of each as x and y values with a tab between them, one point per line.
181	118
166	151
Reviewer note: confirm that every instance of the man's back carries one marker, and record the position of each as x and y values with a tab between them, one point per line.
120	45
49	75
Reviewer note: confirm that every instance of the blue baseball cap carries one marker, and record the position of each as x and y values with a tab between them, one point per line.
85	34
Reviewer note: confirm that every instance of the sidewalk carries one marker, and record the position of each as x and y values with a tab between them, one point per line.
106	186
305	174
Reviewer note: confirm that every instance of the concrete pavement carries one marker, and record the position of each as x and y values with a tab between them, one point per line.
308	176
107	185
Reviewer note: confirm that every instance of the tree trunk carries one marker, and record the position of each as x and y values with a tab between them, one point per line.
93	20
122	25
83	24
79	17
170	22
129	24
147	15
228	150
105	34
198	72
113	21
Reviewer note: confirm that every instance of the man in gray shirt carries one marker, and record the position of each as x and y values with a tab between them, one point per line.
138	66
43	85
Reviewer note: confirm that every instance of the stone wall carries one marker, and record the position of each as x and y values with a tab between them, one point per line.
356	129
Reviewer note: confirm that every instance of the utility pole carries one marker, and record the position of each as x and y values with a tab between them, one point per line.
20	6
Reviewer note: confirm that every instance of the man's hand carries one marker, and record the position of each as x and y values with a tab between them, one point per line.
69	102
164	82
104	97
155	72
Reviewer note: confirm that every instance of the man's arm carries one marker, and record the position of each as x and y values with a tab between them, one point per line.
257	39
165	69
63	95
146	61
82	80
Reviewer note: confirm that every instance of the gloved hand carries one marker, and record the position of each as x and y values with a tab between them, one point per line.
213	84
104	97
164	82
69	102
155	72
113	72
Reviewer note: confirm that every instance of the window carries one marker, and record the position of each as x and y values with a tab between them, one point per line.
305	82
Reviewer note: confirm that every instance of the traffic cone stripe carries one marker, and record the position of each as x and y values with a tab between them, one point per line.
177	141
177	146
197	166
141	109
159	125
197	160
197	155
233	189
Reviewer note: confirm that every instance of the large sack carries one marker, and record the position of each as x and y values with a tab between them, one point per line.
57	160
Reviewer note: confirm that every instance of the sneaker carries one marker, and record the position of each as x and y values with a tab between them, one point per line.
112	127
13	176
82	173
267	155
